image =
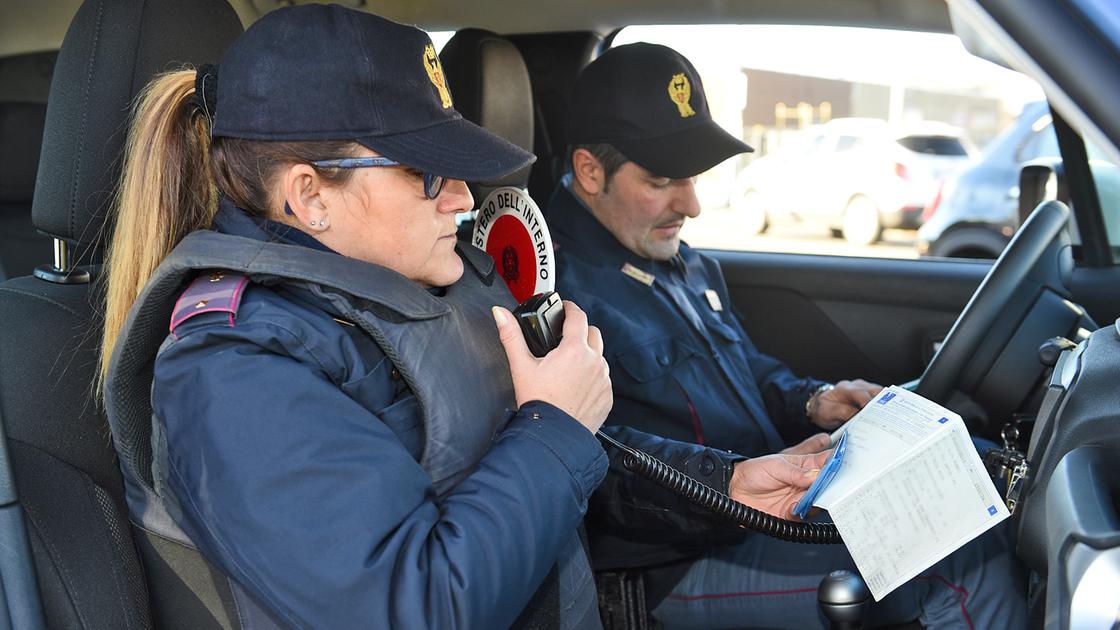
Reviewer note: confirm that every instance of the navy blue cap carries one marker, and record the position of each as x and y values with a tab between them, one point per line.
325	72
647	101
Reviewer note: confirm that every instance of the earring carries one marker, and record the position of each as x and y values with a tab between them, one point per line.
314	223
320	225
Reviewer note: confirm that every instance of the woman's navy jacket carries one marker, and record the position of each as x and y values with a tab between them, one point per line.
293	449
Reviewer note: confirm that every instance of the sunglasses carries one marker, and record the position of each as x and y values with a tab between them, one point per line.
433	184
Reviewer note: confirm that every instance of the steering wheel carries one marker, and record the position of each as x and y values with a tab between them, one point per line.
1004	280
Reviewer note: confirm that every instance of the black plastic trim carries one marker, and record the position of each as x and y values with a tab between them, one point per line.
21	606
1083	70
1085	203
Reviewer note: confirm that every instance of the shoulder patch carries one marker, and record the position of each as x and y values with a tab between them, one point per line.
215	291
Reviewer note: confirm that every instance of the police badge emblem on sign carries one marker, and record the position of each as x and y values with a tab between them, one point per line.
511	228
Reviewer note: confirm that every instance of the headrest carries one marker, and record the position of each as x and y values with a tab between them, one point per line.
490	86
21	136
112	49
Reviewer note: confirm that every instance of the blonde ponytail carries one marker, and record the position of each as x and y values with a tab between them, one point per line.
166	192
170	183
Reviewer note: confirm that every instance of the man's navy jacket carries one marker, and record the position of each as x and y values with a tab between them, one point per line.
681	364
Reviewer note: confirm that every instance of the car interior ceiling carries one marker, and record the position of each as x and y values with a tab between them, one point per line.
509	17
49	20
87	571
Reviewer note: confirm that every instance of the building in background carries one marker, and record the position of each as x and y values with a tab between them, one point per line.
778	102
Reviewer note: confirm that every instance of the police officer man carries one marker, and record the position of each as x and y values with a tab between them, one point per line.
682	365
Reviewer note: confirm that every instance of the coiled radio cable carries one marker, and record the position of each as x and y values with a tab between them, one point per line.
719	503
541	319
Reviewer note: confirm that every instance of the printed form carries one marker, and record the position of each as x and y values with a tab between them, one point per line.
911	490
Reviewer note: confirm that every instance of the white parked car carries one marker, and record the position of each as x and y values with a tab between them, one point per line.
854	176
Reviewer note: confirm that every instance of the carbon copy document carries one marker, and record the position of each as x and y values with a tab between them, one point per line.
911	490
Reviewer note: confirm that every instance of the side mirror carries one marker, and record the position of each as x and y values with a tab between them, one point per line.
1040	180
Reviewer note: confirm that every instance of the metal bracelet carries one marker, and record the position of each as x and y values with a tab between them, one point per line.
811	403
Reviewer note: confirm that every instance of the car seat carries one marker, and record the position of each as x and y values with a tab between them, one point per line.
21	137
66	476
490	85
555	60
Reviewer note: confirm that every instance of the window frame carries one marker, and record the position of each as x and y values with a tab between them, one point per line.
1095	250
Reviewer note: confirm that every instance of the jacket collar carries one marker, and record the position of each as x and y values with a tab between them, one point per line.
234	221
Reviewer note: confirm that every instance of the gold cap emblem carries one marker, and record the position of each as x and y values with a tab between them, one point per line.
435	73
681	91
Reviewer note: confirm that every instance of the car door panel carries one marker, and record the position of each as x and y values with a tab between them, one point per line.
1095	289
840	317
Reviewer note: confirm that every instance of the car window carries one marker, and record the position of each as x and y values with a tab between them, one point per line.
440	38
914	115
847	143
1041	143
821	144
934	145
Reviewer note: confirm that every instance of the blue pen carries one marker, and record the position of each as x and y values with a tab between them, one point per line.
828	472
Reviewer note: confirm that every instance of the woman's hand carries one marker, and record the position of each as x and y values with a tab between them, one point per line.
573	376
775	483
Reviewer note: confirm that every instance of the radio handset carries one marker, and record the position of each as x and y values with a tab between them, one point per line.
541	318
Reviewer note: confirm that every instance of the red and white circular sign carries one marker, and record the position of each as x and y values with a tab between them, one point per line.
511	228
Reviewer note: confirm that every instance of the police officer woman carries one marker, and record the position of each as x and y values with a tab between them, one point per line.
334	423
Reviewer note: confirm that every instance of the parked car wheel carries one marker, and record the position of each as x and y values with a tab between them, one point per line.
973	241
751	212
861	224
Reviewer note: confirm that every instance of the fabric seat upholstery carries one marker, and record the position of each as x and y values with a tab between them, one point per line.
490	84
66	474
21	137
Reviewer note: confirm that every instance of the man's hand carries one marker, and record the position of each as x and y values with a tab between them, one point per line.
775	483
834	407
811	446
